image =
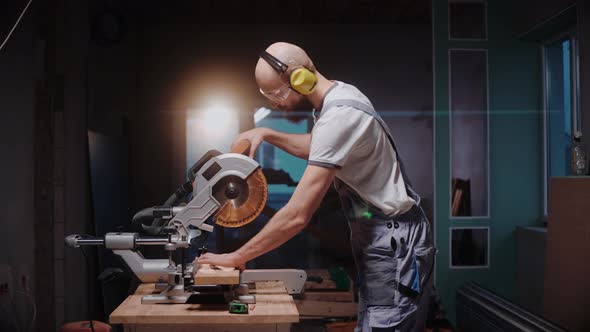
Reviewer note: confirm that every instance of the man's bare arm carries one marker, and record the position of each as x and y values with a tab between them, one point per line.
294	144
286	223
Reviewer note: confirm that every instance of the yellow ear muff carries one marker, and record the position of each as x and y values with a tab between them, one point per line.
303	81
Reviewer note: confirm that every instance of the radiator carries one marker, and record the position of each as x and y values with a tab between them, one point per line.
479	309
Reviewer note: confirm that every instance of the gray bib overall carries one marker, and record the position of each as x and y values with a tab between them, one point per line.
394	255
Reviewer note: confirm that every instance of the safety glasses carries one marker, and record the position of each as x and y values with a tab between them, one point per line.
278	95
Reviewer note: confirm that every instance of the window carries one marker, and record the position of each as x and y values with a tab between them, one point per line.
470	247
561	111
467	20
468	98
286	169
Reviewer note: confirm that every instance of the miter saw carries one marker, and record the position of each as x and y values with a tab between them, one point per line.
228	187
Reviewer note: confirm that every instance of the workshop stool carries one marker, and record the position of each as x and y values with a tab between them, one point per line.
84	326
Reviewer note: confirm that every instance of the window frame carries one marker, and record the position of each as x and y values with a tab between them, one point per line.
485	17
469	267
488	215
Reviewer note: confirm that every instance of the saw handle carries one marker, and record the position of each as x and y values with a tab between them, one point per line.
241	147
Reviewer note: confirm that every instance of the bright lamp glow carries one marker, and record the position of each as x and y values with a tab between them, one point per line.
213	127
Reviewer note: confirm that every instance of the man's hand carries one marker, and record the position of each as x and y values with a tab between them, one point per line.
227	260
294	144
255	136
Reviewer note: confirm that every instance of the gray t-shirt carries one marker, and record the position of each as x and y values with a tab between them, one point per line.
355	143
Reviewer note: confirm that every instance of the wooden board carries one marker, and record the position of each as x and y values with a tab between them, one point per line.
341	326
326	309
326	290
323	299
209	328
326	284
268	287
329	296
270	308
205	275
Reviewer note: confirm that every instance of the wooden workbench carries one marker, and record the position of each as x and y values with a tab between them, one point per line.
274	310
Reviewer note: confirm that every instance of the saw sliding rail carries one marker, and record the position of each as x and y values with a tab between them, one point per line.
175	280
92	241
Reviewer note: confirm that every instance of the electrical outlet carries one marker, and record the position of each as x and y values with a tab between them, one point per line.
21	278
6	296
6	285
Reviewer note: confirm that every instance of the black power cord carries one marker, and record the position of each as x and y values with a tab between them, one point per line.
15	25
90	302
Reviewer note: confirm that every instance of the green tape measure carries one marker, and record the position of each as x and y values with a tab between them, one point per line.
236	307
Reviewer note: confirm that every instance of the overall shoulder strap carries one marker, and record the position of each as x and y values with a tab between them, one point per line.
367	108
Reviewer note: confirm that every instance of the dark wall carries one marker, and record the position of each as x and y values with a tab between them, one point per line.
43	98
18	71
72	61
529	14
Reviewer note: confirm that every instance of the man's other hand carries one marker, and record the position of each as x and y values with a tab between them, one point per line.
255	136
227	260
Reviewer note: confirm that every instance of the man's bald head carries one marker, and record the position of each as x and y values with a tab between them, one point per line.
267	78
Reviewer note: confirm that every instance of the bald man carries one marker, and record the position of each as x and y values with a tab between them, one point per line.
352	147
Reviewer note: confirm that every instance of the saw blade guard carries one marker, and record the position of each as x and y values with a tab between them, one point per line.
230	185
242	200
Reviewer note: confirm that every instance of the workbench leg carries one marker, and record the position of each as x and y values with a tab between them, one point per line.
283	327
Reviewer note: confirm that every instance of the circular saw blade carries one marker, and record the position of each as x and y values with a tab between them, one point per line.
244	199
